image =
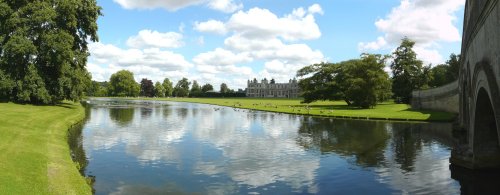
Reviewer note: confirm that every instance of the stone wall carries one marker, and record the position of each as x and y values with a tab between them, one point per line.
444	98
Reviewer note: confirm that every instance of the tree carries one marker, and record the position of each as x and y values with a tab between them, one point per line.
359	82
366	82
181	89
224	88
325	82
207	87
97	89
407	70
147	88
44	49
272	81
159	89
6	86
195	87
168	87
439	75
454	67
445	73
122	84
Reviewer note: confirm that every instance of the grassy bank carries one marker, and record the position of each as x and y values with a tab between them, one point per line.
34	153
383	111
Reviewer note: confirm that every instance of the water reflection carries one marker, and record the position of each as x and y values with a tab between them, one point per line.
195	148
121	116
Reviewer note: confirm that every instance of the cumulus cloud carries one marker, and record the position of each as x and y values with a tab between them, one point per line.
227	6
427	22
221	57
149	38
262	23
211	26
154	62
258	35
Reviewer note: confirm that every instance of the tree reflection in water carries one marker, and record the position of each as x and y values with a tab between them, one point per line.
121	116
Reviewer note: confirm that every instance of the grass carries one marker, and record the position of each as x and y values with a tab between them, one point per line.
34	152
339	109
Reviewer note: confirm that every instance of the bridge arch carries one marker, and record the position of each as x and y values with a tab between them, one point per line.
484	121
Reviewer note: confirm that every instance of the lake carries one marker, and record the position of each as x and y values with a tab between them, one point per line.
155	147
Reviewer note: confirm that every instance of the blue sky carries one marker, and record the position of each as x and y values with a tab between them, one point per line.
231	41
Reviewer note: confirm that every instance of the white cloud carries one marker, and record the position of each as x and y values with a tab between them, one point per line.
149	38
152	63
427	22
315	8
211	26
262	23
221	57
227	6
376	45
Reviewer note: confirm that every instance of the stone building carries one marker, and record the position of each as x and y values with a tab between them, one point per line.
271	89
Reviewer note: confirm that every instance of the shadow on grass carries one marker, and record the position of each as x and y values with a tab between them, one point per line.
328	107
435	115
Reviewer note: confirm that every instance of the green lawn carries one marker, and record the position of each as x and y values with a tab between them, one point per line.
34	153
384	111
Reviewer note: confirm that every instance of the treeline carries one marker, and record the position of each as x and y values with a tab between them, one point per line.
123	84
363	82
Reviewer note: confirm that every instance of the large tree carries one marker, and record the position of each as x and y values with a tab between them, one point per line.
181	89
43	48
445	73
407	71
207	87
159	89
195	87
122	84
167	84
359	82
147	88
224	88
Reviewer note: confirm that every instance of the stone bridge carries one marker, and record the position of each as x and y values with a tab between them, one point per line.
478	86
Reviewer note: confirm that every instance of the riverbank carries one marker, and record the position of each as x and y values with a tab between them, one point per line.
35	155
336	109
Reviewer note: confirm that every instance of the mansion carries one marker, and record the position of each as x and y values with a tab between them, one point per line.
271	89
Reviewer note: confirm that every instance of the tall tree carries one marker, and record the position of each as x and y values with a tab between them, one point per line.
181	89
167	84
122	84
147	88
195	87
360	82
224	88
43	48
207	87
407	70
159	89
454	67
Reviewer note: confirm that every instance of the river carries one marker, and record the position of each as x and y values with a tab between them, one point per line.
155	147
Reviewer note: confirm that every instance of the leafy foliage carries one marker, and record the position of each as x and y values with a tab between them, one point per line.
359	82
207	87
167	84
224	88
122	84
445	73
181	89
408	72
147	88
159	89
43	48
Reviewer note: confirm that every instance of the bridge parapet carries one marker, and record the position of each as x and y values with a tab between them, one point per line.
444	98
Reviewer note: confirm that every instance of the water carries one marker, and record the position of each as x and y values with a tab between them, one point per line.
152	147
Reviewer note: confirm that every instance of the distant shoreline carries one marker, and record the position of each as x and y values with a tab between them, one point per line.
387	111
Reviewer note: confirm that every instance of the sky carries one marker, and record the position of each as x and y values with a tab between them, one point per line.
232	41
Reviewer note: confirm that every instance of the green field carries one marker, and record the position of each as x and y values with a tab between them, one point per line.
34	152
383	111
